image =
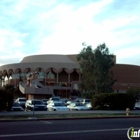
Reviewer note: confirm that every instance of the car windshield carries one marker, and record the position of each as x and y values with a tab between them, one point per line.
22	100
58	104
55	99
16	104
79	104
37	102
87	101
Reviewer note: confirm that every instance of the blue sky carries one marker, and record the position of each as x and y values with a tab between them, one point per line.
30	27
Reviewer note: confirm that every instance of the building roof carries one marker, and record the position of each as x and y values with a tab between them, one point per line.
51	58
44	61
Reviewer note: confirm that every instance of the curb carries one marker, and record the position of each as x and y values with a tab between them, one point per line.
70	118
79	118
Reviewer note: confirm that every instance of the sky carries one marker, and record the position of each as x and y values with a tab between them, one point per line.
32	27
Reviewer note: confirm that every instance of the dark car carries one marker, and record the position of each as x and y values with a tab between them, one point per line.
21	101
35	104
73	97
16	107
45	101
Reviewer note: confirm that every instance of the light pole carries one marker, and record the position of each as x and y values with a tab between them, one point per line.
45	81
33	107
66	90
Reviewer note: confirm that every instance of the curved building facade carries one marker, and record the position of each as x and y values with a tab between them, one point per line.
59	74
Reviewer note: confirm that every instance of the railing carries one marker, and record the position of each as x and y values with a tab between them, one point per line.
34	89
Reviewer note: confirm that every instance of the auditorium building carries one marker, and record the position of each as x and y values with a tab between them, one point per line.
41	76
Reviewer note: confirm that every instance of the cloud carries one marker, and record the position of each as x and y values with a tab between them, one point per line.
73	27
31	27
11	46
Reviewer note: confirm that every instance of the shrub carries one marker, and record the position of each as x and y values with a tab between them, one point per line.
113	101
6	100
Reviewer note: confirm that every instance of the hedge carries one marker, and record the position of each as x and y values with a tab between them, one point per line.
6	100
113	101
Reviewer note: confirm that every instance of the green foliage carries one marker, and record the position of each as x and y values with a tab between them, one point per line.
6	100
113	101
9	88
75	93
95	68
13	90
135	93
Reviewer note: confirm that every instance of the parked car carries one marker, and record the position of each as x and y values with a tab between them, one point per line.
64	100
35	104
73	97
52	99
57	106
137	105
88	105
85	101
77	106
78	99
68	102
16	107
21	101
45	101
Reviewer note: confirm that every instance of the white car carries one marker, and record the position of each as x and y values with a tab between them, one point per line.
85	101
77	106
53	99
88	105
57	106
68	102
137	105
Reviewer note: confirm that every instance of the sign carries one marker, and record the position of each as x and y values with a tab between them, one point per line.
132	133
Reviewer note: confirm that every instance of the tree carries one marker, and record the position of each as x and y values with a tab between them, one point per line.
135	93
6	100
9	88
95	68
13	90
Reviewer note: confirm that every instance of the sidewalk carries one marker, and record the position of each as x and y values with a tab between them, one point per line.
62	115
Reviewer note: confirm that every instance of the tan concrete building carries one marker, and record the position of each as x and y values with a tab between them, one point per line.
58	75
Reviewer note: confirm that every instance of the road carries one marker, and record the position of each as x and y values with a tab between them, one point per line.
83	129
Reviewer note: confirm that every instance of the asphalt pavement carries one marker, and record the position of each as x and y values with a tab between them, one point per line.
89	129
